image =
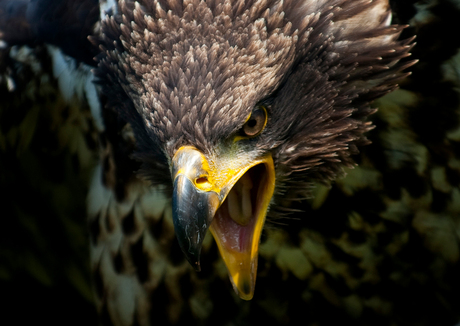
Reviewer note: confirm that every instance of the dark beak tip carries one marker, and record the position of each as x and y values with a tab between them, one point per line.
191	218
194	262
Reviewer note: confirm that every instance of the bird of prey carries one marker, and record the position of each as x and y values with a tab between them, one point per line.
220	116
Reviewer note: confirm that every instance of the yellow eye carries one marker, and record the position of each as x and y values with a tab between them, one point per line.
256	122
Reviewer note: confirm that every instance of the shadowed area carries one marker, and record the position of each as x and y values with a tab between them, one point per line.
379	246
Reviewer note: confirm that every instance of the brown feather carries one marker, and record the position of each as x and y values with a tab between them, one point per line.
191	72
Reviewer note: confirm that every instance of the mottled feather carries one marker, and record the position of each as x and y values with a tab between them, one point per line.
379	247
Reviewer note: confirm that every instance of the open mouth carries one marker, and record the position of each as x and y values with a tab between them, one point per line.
231	198
236	218
238	223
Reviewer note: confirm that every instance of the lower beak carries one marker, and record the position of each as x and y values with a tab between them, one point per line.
238	223
231	202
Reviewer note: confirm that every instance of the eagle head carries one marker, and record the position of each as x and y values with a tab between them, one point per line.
237	104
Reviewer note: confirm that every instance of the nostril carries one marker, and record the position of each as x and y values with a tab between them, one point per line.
201	180
203	183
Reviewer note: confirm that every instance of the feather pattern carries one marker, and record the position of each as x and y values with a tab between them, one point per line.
191	72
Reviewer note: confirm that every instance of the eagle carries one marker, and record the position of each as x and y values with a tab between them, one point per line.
208	115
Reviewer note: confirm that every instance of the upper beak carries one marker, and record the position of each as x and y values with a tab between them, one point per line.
193	211
231	197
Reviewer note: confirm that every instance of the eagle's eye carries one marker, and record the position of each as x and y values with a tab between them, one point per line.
256	122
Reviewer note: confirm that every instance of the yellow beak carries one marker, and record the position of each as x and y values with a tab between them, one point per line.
231	198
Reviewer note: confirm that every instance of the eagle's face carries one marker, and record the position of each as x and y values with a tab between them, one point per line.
234	103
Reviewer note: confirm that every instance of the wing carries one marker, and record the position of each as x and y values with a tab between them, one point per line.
48	149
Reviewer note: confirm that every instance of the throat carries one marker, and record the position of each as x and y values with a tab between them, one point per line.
239	201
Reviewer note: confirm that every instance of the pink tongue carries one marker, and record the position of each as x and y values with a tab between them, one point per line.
232	235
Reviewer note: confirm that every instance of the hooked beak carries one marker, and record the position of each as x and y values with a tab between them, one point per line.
231	198
193	211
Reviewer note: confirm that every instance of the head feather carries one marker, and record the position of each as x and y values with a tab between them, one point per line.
190	72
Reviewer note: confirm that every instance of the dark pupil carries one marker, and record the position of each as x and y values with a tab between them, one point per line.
252	123
255	123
